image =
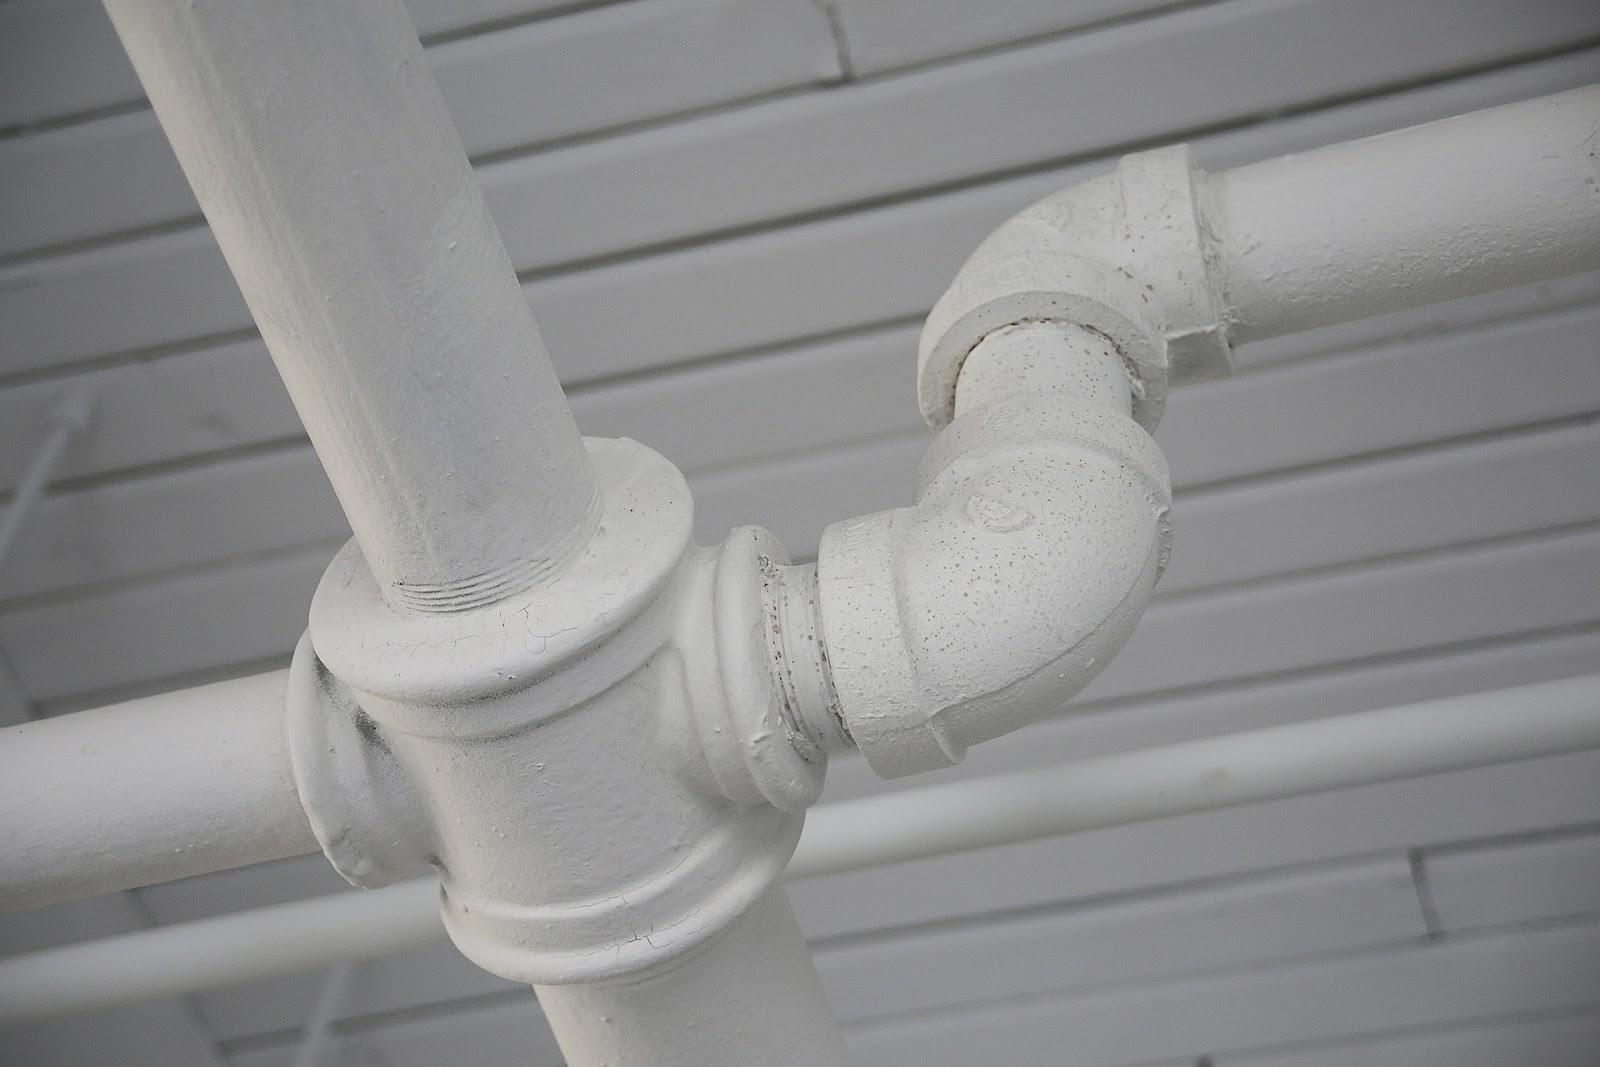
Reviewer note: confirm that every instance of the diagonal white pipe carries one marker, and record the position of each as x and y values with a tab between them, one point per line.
464	662
1257	765
69	418
319	147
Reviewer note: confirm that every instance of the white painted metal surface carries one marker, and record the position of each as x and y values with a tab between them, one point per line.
329	170
1450	209
146	791
730	773
1039	531
1242	768
228	949
517	616
732	1001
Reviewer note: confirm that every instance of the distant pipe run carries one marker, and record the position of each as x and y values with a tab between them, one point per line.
66	420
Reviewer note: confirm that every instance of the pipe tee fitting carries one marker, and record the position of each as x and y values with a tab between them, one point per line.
596	768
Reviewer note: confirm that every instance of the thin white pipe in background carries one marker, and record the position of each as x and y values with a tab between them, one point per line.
1243	768
318	1033
207	953
1340	752
69	417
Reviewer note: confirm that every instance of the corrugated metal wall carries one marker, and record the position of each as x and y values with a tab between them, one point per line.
730	216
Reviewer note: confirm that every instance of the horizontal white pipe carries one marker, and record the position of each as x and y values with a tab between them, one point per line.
1283	761
204	954
1495	198
1257	765
154	789
320	150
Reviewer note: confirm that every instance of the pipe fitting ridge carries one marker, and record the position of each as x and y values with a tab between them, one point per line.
633	686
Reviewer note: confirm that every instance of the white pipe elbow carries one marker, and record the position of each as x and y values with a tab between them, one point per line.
1039	530
1129	255
1041	518
1040	525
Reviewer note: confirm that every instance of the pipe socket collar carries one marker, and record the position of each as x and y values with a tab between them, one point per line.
528	656
635	928
1128	255
744	725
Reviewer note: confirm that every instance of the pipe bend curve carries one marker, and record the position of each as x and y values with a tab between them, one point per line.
1129	254
1039	530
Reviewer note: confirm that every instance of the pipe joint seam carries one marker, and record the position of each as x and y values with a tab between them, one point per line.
1039	530
744	720
1129	255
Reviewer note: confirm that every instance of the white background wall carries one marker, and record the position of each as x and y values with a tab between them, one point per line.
730	216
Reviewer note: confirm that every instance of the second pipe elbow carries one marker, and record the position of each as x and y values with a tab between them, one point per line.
1039	531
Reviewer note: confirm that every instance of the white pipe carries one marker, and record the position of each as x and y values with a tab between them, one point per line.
1041	517
1257	765
1273	763
1039	529
208	953
465	659
318	1032
757	979
1452	208
68	418
1174	266
154	789
319	147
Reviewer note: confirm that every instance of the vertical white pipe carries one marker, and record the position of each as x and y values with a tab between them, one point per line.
319	147
147	791
1470	204
750	997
